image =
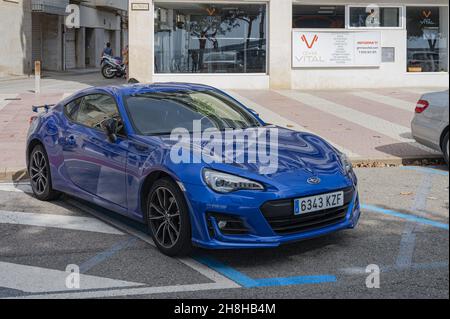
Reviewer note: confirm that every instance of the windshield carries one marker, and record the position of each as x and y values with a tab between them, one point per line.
161	112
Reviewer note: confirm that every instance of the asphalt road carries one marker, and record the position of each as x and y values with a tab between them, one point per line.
403	232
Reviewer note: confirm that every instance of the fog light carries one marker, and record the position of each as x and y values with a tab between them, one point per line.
222	224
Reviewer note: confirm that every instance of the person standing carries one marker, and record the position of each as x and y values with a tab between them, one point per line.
125	56
108	50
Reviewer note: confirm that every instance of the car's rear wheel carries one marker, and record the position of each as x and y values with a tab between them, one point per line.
40	175
168	218
445	148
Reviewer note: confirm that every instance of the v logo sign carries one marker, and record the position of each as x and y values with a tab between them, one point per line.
211	11
426	14
314	41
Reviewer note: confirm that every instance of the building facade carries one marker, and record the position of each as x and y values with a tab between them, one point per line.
290	44
36	30
15	37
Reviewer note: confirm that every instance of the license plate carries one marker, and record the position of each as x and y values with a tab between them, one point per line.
317	203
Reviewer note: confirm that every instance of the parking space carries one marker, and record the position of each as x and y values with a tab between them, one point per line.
403	231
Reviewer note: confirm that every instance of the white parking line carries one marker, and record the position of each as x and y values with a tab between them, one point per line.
371	122
388	100
274	118
88	224
16	188
129	292
42	280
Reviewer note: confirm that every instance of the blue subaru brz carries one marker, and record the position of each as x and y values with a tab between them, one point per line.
135	150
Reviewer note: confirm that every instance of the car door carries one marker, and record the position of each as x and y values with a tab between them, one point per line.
93	162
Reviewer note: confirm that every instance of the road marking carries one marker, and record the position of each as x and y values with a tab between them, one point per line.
57	221
16	188
31	279
371	122
276	119
101	257
205	271
128	292
3	99
407	217
385	99
425	170
247	282
408	241
419	266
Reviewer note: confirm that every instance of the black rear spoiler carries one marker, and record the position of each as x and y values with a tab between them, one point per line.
46	107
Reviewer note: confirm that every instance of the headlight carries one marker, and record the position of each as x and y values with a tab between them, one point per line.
226	183
346	163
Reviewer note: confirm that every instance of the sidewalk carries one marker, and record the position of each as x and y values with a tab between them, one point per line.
367	125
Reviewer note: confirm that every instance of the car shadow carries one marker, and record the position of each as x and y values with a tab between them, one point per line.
410	153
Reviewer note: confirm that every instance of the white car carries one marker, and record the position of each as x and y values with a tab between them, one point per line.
430	124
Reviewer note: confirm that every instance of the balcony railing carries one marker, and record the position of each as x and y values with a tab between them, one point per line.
50	6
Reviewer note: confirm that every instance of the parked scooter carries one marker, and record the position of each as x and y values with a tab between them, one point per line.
113	67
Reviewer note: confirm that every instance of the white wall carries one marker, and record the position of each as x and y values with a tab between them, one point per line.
15	37
94	18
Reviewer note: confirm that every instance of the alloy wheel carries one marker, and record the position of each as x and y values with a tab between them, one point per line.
164	217
39	172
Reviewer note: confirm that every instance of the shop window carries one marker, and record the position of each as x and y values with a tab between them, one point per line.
318	17
427	39
210	38
375	17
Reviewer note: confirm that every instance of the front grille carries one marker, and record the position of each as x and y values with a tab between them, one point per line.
280	216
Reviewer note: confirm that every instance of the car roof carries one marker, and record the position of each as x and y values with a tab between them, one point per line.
133	89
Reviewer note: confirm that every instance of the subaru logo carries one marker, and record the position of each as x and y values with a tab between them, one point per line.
314	180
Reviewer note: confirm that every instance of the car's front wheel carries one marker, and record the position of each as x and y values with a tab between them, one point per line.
40	176
445	148
168	218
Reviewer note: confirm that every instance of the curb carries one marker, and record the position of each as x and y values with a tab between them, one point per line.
13	174
20	174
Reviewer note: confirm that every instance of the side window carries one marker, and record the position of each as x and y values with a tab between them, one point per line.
71	109
94	109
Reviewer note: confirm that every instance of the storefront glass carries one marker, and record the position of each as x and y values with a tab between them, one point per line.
427	39
210	38
318	17
375	17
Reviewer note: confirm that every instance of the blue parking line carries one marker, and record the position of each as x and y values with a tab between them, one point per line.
290	281
425	170
407	217
247	282
101	257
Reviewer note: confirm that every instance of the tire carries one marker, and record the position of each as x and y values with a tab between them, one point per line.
167	213
40	175
108	73
445	148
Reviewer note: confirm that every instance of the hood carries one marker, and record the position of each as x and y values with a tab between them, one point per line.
291	158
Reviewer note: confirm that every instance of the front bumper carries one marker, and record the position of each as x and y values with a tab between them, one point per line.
247	207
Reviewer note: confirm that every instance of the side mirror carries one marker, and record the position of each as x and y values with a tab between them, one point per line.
110	128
